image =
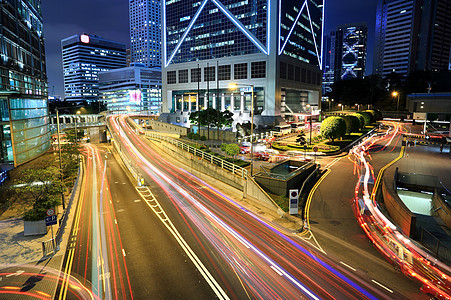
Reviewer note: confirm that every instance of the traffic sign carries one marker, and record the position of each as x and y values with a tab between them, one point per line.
51	220
50	212
315	149
294	202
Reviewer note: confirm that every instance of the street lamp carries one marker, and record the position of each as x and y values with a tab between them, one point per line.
396	94
310	112
234	86
76	117
342	106
358	106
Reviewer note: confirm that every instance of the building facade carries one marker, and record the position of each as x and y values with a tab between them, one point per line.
271	47
145	32
412	35
350	51
133	89
329	62
84	56
24	123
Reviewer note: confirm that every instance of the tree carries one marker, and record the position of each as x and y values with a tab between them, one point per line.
232	150
333	128
44	187
377	115
352	123
360	118
367	117
301	140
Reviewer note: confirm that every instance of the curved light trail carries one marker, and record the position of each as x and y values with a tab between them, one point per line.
269	263
389	240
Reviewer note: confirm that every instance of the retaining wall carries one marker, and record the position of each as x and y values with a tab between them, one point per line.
398	211
441	208
200	167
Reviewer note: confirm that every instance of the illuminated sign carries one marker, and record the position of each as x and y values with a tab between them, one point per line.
135	96
84	38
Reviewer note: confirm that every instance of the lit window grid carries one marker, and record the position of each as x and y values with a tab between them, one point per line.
214	35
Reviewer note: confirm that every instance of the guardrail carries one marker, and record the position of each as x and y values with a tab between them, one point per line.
52	246
201	154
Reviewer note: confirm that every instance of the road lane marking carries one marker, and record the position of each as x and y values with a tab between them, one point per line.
382	286
115	221
220	293
346	265
123	252
275	270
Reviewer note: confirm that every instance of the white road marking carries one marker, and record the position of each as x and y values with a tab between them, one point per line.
382	286
346	265
115	221
137	200
123	252
277	271
18	272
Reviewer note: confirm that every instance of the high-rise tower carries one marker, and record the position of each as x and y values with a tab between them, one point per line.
145	31
273	46
84	56
412	35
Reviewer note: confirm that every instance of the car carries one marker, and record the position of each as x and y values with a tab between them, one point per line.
245	149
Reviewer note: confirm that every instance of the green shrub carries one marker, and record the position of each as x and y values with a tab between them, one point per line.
352	123
333	128
377	115
367	117
223	147
361	119
203	138
190	135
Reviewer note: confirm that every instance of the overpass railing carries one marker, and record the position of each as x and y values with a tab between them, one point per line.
226	165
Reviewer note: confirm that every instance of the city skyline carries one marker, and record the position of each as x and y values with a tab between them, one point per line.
63	19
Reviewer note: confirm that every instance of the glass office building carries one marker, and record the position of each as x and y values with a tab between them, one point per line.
273	46
135	89
84	56
24	123
145	31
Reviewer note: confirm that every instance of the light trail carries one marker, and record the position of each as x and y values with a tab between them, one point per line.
232	231
413	261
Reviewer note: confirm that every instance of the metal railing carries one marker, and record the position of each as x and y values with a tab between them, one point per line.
52	246
200	154
432	243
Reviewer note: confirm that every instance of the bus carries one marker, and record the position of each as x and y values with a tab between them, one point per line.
281	130
297	127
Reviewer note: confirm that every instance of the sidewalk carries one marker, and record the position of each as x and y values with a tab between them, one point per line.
23	254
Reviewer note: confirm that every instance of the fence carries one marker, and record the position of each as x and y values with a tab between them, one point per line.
201	154
53	245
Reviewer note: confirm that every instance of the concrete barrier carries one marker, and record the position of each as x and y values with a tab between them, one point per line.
169	128
196	165
441	208
398	211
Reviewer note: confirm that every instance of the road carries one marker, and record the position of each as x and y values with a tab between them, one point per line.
233	243
331	212
119	249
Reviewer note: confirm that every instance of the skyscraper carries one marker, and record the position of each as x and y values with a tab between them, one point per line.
271	47
145	31
84	56
328	62
350	51
412	35
24	122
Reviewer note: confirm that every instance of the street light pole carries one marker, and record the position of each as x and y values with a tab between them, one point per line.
396	94
59	152
234	86
252	130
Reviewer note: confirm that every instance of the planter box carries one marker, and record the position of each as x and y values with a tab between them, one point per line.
34	228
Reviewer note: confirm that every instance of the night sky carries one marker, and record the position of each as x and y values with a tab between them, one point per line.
109	19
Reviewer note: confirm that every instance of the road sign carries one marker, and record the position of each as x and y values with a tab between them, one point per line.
51	220
315	149
294	202
50	212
